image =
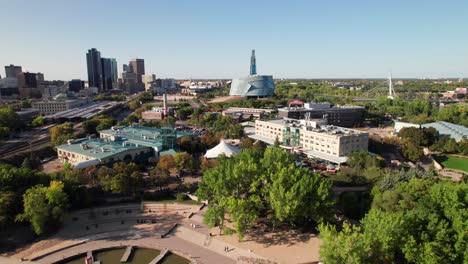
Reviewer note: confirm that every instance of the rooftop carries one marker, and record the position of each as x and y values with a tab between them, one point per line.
98	148
27	111
146	136
456	132
320	106
312	125
85	111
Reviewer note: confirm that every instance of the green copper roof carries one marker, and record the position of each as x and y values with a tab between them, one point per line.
98	148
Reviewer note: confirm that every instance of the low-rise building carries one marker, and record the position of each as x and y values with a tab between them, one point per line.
132	143
312	137
157	138
94	151
27	115
244	113
400	125
345	116
61	102
156	113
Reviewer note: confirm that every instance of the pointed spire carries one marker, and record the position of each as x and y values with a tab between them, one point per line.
253	64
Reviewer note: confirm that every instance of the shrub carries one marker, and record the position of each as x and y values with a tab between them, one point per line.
181	197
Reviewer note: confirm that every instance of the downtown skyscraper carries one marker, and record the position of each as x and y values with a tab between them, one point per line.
102	72
93	59
138	67
107	78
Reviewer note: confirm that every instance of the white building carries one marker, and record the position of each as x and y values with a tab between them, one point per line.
148	81
60	103
50	91
313	138
8	82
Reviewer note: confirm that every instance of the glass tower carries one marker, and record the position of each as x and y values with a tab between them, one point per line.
93	59
253	64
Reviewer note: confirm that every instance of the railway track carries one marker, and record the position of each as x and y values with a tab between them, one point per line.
24	147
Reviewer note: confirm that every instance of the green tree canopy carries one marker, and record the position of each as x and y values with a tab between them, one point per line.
44	206
274	187
184	161
122	178
61	133
38	121
418	221
9	122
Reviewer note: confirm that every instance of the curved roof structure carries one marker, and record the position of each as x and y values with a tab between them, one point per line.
221	148
254	86
455	131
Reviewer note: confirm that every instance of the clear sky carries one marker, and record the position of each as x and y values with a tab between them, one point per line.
213	38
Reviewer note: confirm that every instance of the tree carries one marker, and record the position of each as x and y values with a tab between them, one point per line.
186	143
8	207
61	133
206	164
122	178
159	178
89	126
13	184
209	139
412	151
9	122
167	163
38	121
132	118
248	189
71	176
184	161
361	160
26	163
247	143
419	221
104	122
294	194
44	206
184	112
345	246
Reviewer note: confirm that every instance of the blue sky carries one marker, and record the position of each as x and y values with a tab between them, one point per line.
213	38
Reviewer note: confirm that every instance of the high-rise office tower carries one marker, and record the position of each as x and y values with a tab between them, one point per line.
115	75
75	85
253	64
39	78
12	70
126	68
27	80
138	67
107	78
93	59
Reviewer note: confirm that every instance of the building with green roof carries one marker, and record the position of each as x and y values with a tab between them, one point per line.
132	143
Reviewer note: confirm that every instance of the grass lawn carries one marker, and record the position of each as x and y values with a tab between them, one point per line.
453	162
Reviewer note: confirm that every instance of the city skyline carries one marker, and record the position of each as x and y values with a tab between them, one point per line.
206	39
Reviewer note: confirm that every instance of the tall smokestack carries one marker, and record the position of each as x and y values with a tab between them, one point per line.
165	105
253	64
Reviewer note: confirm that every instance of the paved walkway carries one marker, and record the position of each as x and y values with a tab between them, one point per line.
178	246
5	260
88	230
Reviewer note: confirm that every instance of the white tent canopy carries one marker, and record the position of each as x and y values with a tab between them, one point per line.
221	148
